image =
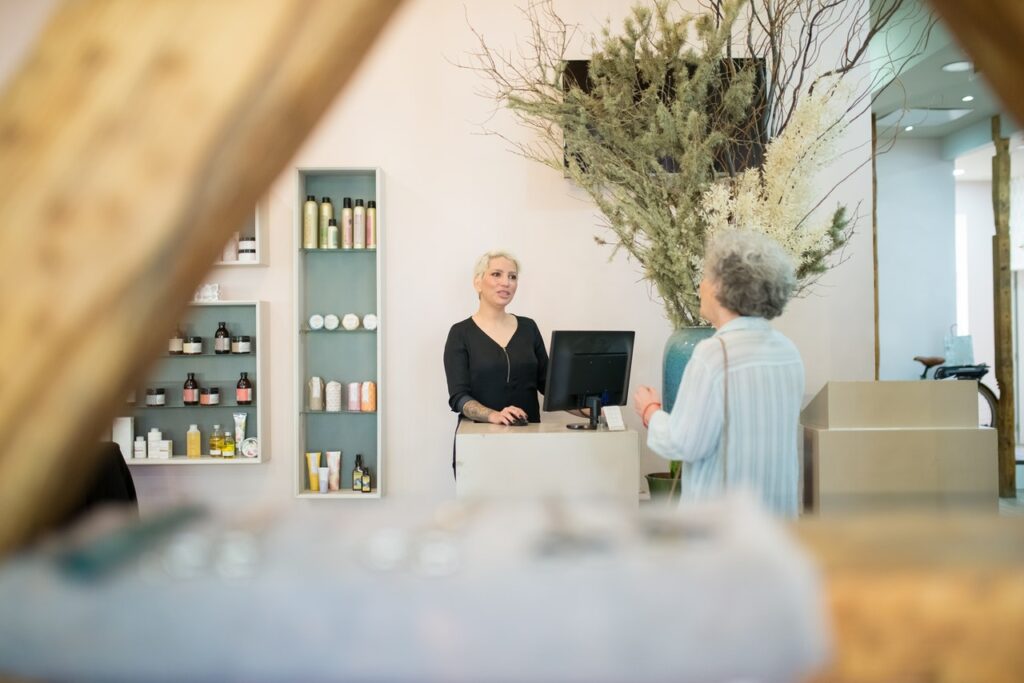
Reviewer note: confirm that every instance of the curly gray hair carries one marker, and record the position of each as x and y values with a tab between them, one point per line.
755	276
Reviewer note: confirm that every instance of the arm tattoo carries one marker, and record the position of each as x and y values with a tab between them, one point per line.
476	411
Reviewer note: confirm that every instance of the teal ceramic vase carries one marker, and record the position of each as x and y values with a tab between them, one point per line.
678	351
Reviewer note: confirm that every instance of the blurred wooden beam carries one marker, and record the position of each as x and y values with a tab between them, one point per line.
922	598
1002	309
991	33
133	142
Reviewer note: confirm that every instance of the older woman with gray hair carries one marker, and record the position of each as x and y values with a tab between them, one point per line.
735	419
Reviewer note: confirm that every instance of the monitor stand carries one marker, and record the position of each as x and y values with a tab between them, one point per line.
594	403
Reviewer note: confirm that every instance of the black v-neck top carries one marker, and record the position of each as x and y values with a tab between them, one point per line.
479	369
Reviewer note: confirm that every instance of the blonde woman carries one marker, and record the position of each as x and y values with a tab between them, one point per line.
495	362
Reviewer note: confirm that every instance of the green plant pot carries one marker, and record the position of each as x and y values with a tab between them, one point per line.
660	483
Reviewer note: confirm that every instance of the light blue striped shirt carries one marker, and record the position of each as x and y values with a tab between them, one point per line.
766	388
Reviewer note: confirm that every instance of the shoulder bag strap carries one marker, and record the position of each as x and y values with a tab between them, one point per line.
725	416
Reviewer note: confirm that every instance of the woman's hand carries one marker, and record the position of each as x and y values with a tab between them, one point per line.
645	402
507	415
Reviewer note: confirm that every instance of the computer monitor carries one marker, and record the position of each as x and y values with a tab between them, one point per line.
588	370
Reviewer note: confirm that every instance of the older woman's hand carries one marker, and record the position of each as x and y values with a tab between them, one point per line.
643	397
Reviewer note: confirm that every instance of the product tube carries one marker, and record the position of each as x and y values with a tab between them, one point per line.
323	475
240	427
313	464
334	470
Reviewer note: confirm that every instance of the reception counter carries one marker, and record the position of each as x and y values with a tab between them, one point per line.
546	459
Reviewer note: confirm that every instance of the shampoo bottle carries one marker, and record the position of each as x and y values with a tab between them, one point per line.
326	214
371	224
359	226
193	441
309	223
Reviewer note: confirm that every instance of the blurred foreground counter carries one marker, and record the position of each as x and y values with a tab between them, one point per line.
922	598
527	591
547	459
534	591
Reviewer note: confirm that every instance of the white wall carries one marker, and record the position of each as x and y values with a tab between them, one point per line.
916	255
974	201
448	196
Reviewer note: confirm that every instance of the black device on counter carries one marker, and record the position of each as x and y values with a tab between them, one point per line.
588	369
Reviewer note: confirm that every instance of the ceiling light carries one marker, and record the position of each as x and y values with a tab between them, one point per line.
957	172
909	128
967	98
957	67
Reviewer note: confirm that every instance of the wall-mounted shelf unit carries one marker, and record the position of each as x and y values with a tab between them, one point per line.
242	318
253	228
339	281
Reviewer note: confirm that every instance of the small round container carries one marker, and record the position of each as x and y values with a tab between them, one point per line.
193	346
247	255
156	397
209	396
370	321
249	448
331	322
241	344
316	322
350	321
247	243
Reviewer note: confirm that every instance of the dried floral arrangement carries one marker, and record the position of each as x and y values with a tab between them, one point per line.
688	122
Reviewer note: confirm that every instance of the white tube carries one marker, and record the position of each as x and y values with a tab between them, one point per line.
239	428
323	479
334	470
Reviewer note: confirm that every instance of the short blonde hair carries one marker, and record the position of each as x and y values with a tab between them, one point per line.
485	261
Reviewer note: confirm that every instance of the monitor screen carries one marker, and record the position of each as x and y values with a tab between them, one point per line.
588	365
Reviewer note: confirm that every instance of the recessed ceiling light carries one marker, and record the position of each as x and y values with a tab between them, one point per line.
957	67
957	172
967	98
909	128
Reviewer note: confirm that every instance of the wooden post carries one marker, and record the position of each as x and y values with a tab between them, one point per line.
133	141
874	235
1003	312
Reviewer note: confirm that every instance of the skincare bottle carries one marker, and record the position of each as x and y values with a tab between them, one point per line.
332	234
243	390
215	441
227	444
230	250
326	214
193	441
221	339
176	344
366	480
359	226
357	474
371	224
140	447
346	223
309	223
190	392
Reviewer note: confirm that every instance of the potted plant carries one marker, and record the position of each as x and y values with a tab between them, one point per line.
683	123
